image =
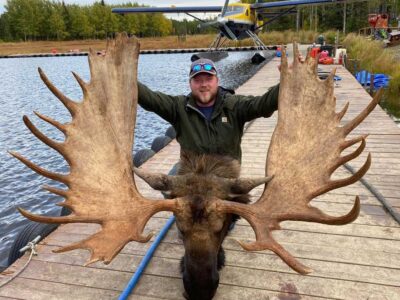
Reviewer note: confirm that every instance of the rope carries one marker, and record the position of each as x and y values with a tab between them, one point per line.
30	246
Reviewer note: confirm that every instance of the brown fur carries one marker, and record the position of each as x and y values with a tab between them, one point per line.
203	229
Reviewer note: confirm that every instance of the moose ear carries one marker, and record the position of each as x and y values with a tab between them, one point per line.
157	181
245	185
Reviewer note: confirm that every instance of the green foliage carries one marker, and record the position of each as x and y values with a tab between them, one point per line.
191	27
374	59
46	19
331	17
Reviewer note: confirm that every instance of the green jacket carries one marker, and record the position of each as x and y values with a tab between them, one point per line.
223	134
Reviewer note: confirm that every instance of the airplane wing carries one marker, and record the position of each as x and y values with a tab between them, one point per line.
218	9
166	10
282	4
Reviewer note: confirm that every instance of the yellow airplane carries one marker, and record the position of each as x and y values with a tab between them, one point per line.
237	21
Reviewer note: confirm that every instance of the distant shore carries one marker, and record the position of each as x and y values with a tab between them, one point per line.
155	43
169	42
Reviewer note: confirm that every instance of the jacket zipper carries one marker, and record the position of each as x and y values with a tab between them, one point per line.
205	120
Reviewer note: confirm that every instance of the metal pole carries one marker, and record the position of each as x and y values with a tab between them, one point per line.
344	17
298	20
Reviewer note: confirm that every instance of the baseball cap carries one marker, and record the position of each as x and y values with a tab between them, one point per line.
202	65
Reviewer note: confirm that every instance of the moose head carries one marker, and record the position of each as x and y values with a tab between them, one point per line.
304	152
201	180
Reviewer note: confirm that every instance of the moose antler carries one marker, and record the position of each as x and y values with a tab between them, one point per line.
305	150
98	148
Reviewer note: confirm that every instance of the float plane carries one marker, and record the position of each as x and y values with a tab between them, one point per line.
236	21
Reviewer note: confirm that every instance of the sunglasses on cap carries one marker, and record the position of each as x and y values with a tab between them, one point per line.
205	67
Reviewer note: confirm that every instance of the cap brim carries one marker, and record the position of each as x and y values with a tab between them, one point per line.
203	71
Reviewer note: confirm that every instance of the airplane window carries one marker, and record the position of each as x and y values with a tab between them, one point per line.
233	10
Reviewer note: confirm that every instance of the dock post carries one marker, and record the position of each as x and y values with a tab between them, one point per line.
371	86
364	78
355	67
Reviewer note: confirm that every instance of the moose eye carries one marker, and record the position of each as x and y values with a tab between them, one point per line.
217	224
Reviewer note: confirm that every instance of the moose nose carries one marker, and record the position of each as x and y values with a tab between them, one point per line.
200	290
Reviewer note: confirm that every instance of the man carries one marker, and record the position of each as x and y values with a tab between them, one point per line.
210	120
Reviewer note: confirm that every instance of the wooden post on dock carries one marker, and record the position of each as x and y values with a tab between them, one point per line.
364	78
355	69
371	85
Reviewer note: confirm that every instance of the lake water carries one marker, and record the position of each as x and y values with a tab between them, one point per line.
22	92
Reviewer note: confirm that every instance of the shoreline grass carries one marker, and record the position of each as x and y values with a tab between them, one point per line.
376	59
169	42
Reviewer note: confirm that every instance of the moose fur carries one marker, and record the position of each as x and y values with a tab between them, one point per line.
199	225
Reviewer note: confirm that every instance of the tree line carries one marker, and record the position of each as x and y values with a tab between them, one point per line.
352	15
50	20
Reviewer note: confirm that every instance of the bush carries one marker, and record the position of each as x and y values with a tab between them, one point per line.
376	59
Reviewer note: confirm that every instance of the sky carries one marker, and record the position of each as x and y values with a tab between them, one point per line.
146	2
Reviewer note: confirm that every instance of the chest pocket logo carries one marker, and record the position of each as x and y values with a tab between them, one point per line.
224	120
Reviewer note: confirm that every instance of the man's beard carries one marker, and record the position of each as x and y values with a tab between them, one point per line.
204	98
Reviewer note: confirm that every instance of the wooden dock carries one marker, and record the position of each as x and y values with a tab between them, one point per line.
356	261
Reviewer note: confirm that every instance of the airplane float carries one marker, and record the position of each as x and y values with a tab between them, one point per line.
236	21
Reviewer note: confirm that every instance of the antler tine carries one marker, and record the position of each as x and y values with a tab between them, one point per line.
49	142
330	79
335	184
59	192
72	218
40	170
81	83
308	54
49	120
340	115
344	159
68	103
66	204
351	142
92	53
312	63
272	245
314	214
357	120
284	61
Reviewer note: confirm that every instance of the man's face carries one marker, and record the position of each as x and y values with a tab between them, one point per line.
204	88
